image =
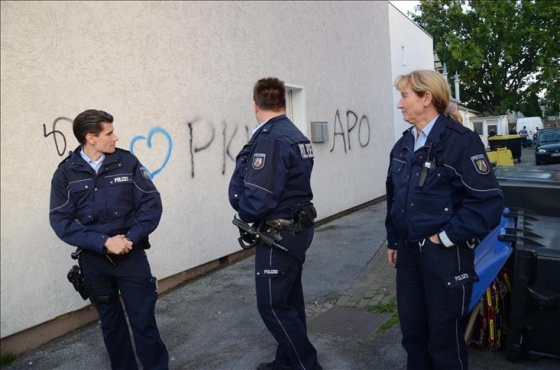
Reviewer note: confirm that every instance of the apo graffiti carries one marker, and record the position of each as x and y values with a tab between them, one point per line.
346	133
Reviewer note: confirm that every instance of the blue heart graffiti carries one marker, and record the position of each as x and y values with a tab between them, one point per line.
153	131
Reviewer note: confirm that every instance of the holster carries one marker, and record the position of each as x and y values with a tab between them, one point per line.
304	219
76	278
306	216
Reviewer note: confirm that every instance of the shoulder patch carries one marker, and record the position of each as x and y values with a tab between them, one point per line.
480	164
258	160
145	173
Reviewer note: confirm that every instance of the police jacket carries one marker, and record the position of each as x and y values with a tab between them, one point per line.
460	199
272	176
86	208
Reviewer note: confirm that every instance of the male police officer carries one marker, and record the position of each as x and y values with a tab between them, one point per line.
103	201
271	188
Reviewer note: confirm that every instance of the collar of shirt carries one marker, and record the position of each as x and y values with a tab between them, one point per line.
94	164
420	140
258	127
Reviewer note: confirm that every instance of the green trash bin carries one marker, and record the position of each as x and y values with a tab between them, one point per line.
511	142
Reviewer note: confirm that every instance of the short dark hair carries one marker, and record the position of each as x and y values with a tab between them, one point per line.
90	122
270	94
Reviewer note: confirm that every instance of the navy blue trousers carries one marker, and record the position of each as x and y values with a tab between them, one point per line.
280	299
132	278
432	313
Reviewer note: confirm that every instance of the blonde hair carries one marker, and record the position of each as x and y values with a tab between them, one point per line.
423	81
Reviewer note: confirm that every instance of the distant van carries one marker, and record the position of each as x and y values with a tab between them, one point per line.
530	123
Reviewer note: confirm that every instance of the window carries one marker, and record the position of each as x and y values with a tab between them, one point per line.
295	106
477	126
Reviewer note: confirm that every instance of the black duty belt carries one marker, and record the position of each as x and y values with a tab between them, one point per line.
285	224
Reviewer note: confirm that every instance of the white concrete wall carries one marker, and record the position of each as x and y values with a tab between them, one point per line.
411	48
180	74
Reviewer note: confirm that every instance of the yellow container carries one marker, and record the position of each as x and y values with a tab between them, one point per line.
500	157
504	137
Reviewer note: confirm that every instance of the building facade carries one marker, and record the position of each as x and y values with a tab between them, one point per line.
178	78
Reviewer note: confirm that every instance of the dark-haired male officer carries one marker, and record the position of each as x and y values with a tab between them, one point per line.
271	188
103	201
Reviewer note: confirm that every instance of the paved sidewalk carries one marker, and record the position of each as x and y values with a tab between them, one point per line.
375	285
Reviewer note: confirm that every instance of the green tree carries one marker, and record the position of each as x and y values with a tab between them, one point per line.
505	51
531	106
551	100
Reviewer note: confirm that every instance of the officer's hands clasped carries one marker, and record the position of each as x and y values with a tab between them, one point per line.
118	244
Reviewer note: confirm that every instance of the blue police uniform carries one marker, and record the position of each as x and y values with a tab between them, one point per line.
271	181
86	208
447	188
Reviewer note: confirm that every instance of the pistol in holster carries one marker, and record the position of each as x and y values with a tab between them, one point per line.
76	277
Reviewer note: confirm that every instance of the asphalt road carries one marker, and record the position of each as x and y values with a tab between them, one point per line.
528	161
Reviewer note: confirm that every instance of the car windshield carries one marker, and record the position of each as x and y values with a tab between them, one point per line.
549	136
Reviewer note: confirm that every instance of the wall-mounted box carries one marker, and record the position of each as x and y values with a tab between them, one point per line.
319	132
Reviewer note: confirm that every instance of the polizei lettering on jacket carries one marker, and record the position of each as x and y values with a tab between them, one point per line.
461	277
306	150
121	179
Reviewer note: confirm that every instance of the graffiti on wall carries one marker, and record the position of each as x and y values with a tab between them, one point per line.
345	133
201	136
158	142
57	135
206	137
148	140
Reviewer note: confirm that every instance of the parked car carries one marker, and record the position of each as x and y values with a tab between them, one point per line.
547	146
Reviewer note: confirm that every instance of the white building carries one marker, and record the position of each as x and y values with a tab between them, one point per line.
178	78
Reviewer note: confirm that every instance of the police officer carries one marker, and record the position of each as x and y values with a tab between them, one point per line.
442	198
271	186
103	202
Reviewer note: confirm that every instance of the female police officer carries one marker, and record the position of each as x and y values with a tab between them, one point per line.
442	197
103	201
